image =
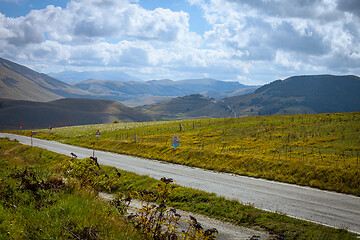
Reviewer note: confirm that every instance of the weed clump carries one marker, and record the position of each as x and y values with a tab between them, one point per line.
158	221
155	220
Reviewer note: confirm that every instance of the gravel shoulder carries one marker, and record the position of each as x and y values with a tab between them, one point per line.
227	231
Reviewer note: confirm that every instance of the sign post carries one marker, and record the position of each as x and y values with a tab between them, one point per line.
32	133
175	141
97	135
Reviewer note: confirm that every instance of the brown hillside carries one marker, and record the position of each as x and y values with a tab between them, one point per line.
21	83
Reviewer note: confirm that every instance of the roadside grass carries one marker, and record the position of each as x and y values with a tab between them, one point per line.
37	203
79	211
317	150
209	204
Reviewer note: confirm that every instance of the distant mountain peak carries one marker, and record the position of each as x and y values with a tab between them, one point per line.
74	76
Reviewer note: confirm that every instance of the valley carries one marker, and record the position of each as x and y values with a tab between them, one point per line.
301	134
33	98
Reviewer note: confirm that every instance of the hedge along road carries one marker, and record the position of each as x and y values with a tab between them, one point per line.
324	207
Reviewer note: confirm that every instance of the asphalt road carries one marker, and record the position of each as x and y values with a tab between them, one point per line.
324	207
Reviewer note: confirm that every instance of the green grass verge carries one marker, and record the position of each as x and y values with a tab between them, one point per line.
36	203
131	184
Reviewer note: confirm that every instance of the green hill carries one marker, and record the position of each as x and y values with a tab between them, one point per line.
64	112
294	95
301	94
187	107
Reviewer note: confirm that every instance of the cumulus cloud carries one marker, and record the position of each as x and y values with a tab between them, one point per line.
298	37
91	21
79	33
253	40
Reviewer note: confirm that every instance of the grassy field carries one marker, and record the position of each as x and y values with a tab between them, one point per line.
317	150
29	210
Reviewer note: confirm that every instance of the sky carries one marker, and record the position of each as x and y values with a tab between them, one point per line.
250	41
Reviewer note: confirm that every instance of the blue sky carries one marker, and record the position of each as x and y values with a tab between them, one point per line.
250	41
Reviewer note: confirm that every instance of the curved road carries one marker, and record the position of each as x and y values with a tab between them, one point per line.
324	207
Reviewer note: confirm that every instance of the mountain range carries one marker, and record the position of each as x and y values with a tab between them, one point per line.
38	100
301	94
21	83
294	95
73	76
139	93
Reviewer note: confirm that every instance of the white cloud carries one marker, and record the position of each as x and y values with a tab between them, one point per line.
254	40
297	37
84	21
78	34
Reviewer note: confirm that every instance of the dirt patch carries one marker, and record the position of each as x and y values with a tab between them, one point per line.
226	230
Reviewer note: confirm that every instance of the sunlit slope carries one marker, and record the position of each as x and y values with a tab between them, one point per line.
21	83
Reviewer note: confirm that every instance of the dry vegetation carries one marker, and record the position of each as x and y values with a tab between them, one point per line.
318	150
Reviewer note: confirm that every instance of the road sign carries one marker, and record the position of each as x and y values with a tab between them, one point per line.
33	133
21	125
97	134
175	141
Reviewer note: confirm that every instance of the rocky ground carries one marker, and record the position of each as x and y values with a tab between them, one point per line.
226	230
